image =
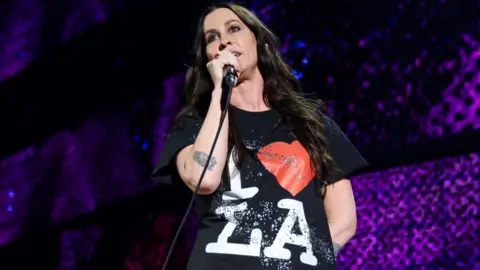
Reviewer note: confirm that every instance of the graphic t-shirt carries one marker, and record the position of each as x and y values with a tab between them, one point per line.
271	216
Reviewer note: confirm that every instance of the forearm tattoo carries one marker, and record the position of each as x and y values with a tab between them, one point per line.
336	248
201	159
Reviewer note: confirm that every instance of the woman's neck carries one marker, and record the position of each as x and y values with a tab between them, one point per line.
248	94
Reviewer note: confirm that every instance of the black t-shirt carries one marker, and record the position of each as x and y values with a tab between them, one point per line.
272	215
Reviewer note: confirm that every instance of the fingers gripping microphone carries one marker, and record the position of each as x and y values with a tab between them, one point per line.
229	81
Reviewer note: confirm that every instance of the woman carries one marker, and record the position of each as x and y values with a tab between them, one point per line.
275	193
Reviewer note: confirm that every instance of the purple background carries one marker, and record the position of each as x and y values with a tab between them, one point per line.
30	28
414	63
422	216
401	76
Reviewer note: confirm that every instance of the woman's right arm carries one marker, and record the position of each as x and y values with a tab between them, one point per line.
192	159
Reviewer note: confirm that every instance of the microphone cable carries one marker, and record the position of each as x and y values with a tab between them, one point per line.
229	83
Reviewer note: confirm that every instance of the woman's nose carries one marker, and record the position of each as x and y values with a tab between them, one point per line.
224	44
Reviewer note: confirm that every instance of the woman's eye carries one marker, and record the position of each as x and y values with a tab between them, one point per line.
234	29
211	38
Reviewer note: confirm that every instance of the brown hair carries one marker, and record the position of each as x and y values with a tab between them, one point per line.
282	92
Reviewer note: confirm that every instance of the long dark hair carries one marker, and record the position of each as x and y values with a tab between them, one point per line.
282	92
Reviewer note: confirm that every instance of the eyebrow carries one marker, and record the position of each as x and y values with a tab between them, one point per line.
226	23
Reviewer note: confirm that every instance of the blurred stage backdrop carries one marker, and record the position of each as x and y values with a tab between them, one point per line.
89	88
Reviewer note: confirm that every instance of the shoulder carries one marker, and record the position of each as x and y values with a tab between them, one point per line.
187	120
190	114
328	121
331	127
347	158
335	136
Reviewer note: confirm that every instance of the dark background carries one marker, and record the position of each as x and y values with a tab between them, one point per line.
401	78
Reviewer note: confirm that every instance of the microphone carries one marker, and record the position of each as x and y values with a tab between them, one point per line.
229	81
229	76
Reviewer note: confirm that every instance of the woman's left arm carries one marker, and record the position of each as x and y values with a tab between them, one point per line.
341	213
339	200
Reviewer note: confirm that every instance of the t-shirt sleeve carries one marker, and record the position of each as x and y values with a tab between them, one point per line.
346	156
182	134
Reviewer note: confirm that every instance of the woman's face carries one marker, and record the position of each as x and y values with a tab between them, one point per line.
224	30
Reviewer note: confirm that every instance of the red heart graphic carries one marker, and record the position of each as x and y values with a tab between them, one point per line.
290	163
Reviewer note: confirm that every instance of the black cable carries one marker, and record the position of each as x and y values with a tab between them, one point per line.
229	86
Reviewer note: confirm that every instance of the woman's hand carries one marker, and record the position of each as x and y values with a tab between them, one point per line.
215	67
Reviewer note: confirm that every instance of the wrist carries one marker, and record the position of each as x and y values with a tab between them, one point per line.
216	100
216	95
217	91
